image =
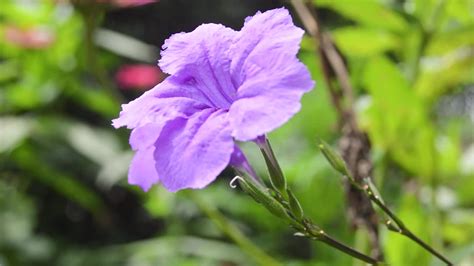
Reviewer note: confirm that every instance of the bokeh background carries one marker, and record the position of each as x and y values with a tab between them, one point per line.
66	66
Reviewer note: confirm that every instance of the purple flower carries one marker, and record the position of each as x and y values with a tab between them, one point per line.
224	85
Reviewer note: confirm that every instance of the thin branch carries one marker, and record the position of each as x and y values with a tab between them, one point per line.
304	225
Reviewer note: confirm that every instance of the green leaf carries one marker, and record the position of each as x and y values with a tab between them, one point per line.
362	41
442	74
395	113
96	100
96	144
13	131
370	13
451	39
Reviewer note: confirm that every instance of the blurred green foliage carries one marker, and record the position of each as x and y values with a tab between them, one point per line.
64	199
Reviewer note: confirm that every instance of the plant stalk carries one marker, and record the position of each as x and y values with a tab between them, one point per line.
303	225
401	226
325	238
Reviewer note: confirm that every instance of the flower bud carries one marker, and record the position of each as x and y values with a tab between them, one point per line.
263	197
334	158
295	206
276	175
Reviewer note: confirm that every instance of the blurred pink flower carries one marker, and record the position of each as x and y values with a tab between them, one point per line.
129	3
35	38
116	3
139	76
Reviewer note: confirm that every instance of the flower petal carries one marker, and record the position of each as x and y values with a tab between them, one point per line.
271	79
142	171
200	59
269	99
165	101
263	37
190	153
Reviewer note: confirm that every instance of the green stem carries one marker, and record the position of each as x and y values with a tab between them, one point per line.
303	225
348	250
232	232
371	192
314	232
401	226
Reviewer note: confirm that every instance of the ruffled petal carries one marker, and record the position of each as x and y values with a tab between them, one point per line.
263	36
190	153
200	60
268	100
164	102
142	171
271	78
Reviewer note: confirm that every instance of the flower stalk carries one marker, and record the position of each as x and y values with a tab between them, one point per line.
395	224
282	203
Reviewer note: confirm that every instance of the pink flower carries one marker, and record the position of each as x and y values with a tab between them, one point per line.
129	3
35	38
139	76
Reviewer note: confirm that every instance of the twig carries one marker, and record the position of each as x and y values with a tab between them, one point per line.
402	229
295	217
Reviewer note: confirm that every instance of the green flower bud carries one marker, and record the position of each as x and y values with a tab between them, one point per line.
262	196
333	158
276	175
295	206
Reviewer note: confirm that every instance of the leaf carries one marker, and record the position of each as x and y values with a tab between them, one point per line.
441	74
13	131
460	11
395	113
362	41
451	39
160	202
370	13
459	226
96	100
114	169
98	145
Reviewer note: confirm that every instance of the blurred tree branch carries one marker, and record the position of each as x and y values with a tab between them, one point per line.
354	143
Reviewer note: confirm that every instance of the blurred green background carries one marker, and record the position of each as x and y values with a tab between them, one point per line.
65	68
